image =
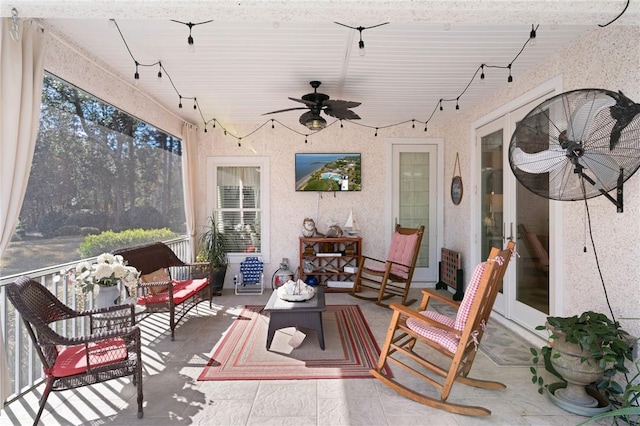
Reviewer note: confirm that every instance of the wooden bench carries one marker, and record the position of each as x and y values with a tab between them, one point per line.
167	284
451	274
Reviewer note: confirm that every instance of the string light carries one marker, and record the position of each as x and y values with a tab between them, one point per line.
305	138
439	104
413	124
191	25
361	49
376	135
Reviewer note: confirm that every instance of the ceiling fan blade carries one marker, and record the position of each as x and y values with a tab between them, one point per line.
338	104
344	114
582	118
305	101
604	168
283	110
540	162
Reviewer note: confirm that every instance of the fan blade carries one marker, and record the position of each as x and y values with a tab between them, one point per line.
603	167
540	162
304	101
344	114
583	116
338	104
283	110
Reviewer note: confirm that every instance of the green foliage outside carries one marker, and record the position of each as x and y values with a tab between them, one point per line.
107	241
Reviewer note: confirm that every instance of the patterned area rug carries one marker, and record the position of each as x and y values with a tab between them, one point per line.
350	349
499	344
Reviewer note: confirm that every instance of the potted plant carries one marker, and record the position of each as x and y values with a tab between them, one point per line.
213	250
103	278
582	349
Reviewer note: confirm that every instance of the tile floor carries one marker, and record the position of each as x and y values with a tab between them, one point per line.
174	396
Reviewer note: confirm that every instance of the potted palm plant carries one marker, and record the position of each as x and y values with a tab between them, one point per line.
583	349
213	250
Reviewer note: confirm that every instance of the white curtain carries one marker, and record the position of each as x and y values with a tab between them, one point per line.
21	73
189	182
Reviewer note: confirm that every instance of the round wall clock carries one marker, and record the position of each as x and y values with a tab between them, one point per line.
456	190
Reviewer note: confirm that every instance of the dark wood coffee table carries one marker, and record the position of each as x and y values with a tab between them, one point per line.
306	314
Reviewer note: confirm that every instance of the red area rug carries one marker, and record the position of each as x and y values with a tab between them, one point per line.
350	349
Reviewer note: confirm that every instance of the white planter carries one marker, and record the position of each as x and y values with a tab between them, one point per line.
107	296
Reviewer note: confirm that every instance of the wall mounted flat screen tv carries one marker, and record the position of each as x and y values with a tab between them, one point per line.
328	172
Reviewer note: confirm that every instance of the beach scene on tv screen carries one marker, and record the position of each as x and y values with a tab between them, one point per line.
328	172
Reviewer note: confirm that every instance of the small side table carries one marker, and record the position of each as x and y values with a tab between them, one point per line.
296	314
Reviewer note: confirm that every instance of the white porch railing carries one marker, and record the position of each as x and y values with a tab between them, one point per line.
24	365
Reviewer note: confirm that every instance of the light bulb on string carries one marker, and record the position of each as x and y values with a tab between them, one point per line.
425	127
441	105
305	138
214	123
376	135
482	73
136	76
413	124
532	36
194	103
272	125
341	125
159	71
457	106
510	78
205	128
361	49
180	104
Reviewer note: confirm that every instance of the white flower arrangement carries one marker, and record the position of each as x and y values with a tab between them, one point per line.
108	271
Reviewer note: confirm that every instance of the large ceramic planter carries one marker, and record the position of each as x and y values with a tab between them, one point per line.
576	370
217	279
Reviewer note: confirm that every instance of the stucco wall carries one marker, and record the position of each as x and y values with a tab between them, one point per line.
288	207
604	58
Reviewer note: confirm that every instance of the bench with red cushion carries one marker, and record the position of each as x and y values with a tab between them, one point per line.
158	291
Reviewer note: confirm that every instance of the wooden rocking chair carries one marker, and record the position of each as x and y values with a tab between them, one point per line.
390	277
456	338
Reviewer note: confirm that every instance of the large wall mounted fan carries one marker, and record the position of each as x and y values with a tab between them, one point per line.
578	145
319	102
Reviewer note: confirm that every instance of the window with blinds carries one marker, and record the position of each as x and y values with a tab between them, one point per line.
238	205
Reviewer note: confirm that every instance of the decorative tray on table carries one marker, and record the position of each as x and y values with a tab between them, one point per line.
296	291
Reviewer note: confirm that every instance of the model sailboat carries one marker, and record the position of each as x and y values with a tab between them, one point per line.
350	226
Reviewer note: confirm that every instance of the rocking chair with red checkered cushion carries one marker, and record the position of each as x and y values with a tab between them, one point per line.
110	350
378	280
456	338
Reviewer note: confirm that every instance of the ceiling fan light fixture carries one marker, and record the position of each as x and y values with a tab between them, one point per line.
315	122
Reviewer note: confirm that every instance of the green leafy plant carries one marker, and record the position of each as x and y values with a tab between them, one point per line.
213	246
603	339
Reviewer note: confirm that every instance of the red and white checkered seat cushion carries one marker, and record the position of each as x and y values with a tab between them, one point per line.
448	340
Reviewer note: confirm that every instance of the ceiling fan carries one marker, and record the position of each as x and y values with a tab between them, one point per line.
585	135
317	102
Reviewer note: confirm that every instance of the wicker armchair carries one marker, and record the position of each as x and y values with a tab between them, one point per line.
110	350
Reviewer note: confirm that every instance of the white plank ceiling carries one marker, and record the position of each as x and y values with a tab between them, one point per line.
256	54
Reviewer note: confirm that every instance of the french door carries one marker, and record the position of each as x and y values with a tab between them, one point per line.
509	211
415	200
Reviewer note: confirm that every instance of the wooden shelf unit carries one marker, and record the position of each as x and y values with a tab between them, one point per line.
328	257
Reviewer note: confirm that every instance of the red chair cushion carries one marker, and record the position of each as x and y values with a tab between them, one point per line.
469	296
72	360
447	340
401	251
182	290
